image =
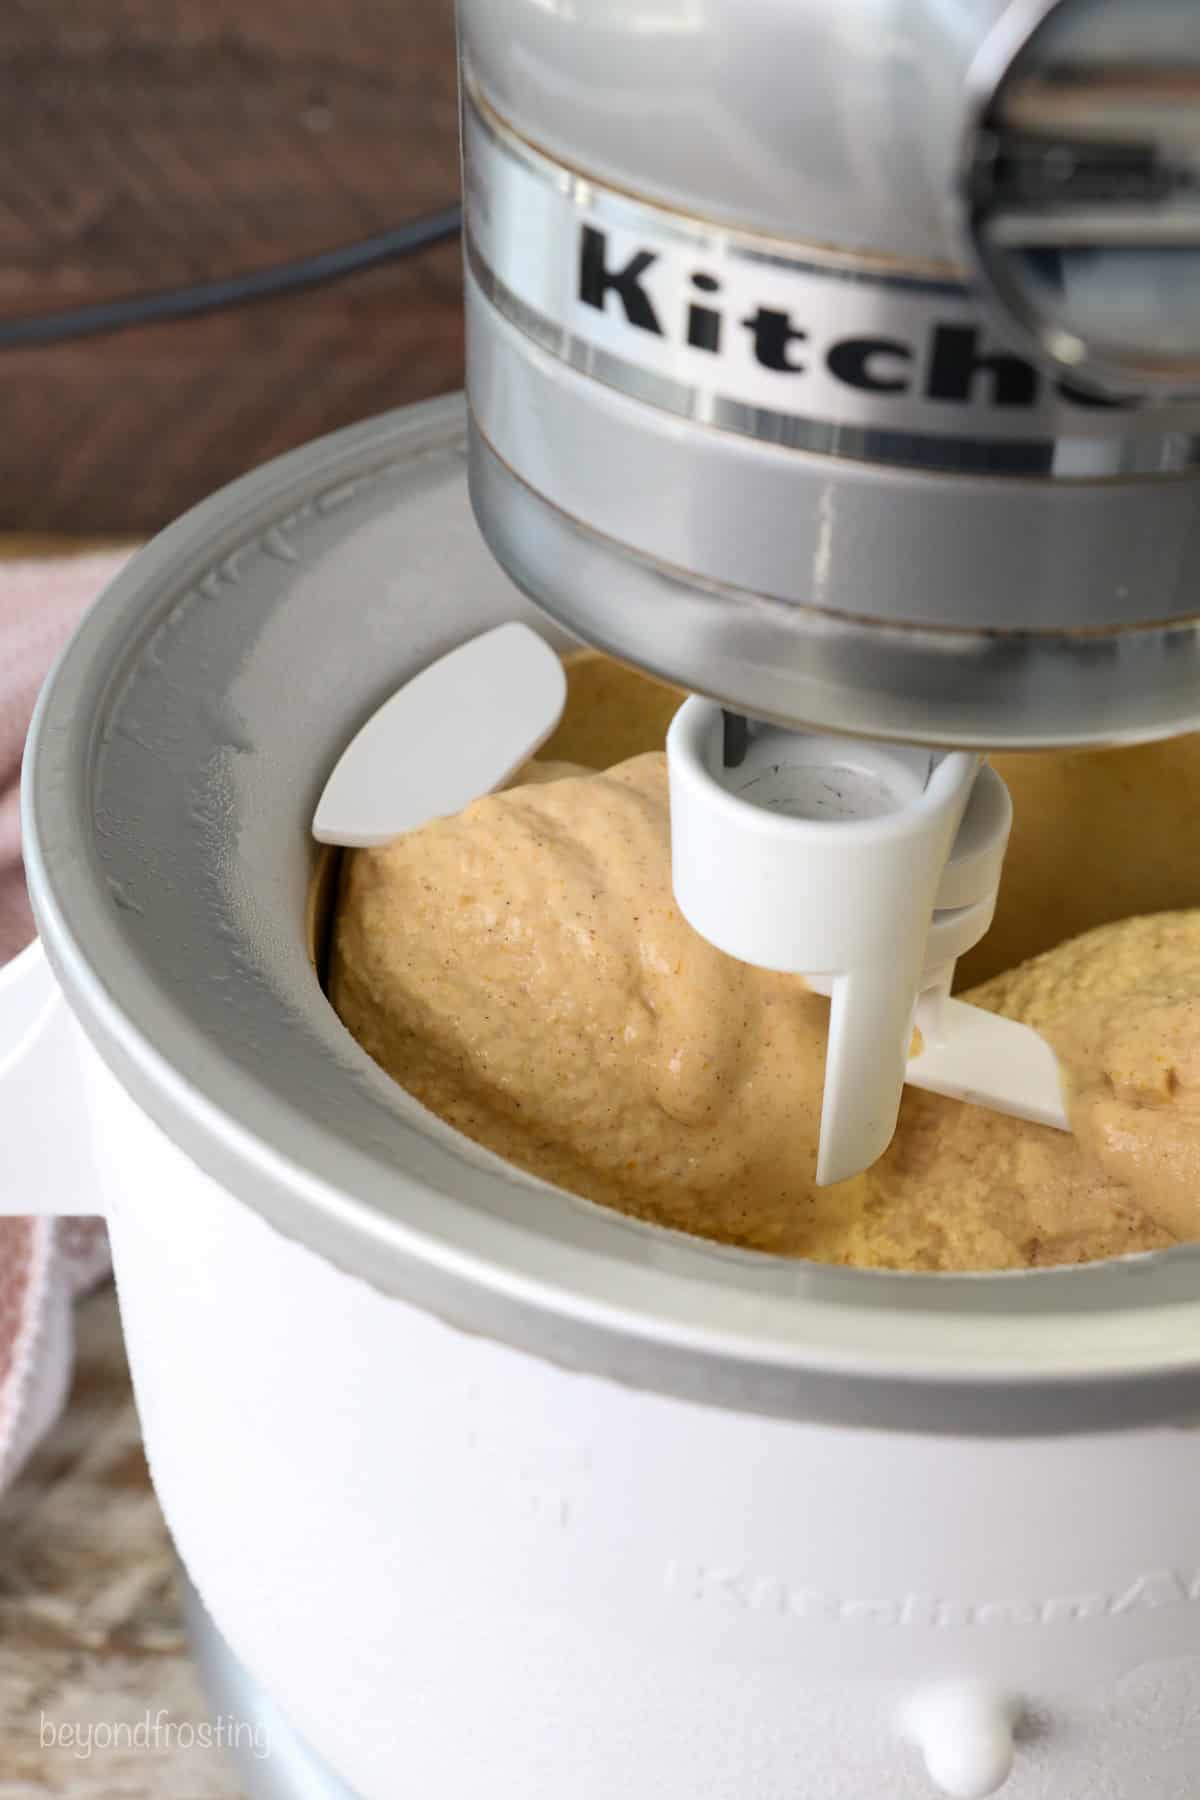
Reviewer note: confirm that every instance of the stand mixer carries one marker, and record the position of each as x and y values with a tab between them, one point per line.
843	363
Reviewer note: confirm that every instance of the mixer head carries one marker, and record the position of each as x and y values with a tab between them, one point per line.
842	362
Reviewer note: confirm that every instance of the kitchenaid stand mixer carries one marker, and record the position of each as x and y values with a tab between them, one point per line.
844	364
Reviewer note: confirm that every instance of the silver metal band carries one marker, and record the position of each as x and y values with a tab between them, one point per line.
895	366
1173	453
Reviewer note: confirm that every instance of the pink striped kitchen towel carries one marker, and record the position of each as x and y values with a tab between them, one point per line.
44	1263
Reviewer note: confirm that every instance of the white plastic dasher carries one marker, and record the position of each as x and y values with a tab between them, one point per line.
869	868
459	729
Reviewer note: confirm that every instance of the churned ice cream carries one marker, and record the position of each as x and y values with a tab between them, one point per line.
522	969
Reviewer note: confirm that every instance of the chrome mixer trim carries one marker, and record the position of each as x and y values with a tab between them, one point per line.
796	665
897	361
1074	459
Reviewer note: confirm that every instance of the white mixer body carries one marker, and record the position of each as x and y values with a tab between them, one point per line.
494	1491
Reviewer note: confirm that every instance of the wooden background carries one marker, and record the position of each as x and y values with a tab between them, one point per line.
150	143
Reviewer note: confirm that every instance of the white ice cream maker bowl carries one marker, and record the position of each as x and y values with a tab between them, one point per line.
440	1443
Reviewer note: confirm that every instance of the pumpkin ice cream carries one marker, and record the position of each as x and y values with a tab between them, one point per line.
522	969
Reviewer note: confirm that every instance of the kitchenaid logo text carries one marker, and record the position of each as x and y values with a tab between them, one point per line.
951	362
835	352
738	1591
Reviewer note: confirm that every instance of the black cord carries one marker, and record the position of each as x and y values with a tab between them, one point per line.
234	290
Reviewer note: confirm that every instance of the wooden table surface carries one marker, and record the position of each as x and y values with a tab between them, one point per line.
146	144
90	1633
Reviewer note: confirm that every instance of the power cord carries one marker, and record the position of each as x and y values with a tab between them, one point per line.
234	290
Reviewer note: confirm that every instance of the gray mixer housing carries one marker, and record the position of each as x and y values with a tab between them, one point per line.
840	359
